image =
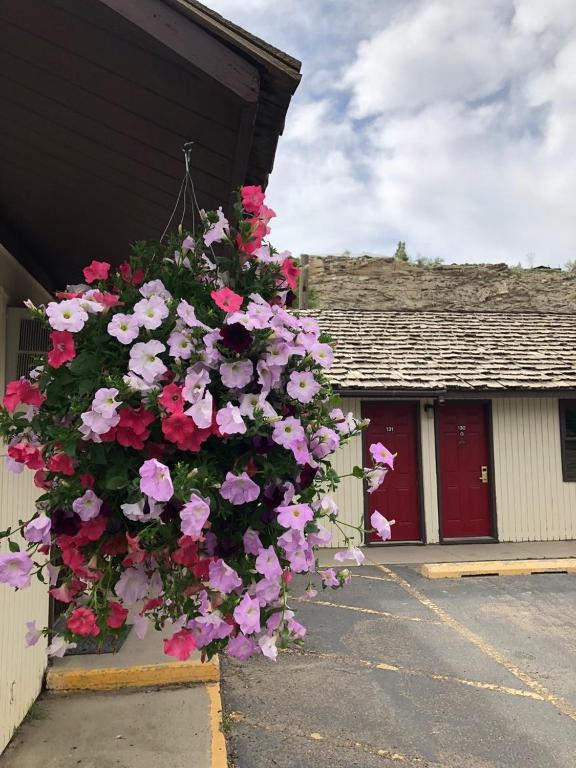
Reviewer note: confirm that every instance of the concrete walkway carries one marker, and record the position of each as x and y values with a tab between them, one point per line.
457	553
133	709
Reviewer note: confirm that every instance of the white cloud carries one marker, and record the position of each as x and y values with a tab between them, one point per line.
450	124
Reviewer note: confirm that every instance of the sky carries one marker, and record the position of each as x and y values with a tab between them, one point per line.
447	124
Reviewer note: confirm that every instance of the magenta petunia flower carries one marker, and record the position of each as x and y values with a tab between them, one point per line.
247	615
239	489
302	386
295	516
381	455
227	300
267	563
180	645
15	568
155	480
237	374
223	578
381	525
193	516
87	506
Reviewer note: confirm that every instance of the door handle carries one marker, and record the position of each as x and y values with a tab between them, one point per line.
484	474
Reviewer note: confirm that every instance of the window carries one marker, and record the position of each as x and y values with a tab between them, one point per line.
568	438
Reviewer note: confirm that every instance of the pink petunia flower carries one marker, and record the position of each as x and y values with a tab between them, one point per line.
237	374
97	270
155	480
63	349
38	530
267	563
227	300
20	392
251	541
87	506
295	516
32	634
247	615
82	622
144	360
329	578
352	553
105	403
381	525
180	645
15	568
323	354
150	313
187	313
230	421
132	585
155	288
375	477
58	647
239	489
123	327
180	346
218	230
302	386
193	516
287	430
268	647
381	455
324	442
252	198
66	315
291	272
223	578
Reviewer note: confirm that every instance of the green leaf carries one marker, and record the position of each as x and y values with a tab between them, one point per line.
116	477
13	547
358	472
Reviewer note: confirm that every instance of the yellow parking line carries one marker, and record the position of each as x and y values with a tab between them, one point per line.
371	611
556	701
219	755
384	667
371	578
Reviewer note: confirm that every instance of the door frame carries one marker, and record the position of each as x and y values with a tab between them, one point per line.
492	512
419	471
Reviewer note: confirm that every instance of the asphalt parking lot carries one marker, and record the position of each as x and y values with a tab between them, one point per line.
398	670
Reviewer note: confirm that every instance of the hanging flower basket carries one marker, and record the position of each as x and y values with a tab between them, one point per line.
180	429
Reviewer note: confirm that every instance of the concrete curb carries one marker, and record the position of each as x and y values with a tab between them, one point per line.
140	676
497	568
218	751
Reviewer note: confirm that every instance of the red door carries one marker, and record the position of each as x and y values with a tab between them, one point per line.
394	425
464	471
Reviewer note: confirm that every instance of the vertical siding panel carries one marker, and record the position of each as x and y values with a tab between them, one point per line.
429	478
533	502
350	494
21	668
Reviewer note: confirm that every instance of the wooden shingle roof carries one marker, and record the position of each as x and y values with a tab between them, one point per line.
418	351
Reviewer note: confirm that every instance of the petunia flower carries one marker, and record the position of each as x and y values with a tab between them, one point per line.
381	455
227	300
268	647
247	615
352	553
381	525
218	230
302	386
295	516
132	585
82	622
267	563
252	198
237	374
291	272
144	360
155	288
20	392
87	506
193	516
32	634
155	480
287	430
66	315
58	647
97	270
223	578
15	568
239	489
63	350
241	647
149	313
125	328
230	421
323	354
38	530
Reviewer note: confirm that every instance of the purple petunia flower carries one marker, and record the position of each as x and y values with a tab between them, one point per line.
87	506
237	374
267	563
239	489
241	647
155	480
295	516
193	516
247	614
15	569
223	578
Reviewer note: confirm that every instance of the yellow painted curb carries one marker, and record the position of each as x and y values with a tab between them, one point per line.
143	676
497	568
218	752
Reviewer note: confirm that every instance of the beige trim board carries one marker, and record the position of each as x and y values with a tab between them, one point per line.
140	676
497	568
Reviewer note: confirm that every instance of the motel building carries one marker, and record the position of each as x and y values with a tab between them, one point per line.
480	408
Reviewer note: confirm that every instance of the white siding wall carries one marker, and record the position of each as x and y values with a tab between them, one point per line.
532	501
21	668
